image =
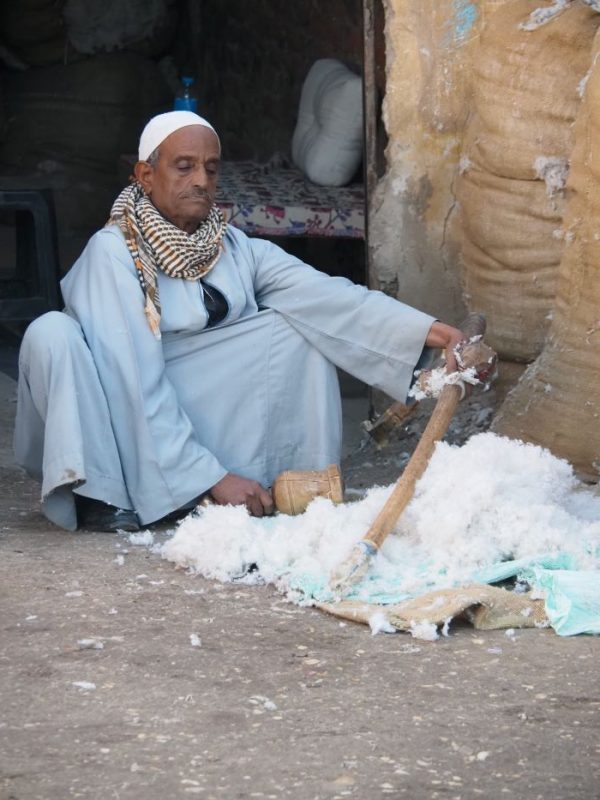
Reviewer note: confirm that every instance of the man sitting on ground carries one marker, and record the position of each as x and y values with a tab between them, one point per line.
192	359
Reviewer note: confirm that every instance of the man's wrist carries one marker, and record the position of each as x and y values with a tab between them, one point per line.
441	335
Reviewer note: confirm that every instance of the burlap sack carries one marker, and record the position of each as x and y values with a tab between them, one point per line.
525	87
486	607
557	402
34	30
85	113
145	27
68	125
525	95
511	255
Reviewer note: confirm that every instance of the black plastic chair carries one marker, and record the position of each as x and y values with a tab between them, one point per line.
36	273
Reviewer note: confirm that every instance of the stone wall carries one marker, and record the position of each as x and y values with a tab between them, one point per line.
414	247
251	58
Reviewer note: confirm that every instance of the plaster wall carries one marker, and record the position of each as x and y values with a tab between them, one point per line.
414	241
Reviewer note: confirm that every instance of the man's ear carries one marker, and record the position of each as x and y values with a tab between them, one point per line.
144	173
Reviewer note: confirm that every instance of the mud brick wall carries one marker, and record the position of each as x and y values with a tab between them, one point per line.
250	59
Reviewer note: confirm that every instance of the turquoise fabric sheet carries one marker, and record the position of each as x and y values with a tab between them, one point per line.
572	596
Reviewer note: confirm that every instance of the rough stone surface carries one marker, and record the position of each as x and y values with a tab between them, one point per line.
276	702
251	61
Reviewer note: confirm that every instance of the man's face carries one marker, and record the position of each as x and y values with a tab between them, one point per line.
183	182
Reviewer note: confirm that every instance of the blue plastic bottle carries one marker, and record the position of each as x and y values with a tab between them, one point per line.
185	99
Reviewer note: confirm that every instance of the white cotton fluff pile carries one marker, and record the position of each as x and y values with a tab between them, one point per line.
223	541
492	499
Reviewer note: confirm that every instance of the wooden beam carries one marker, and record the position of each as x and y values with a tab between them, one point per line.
370	121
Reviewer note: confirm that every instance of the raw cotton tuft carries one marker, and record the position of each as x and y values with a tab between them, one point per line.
491	500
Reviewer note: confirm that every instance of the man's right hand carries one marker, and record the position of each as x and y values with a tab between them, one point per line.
237	491
446	338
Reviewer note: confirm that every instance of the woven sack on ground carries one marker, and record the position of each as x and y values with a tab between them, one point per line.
486	607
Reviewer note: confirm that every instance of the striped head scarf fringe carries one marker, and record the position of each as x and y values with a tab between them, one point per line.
155	243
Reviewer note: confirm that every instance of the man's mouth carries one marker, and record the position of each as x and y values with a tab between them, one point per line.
205	198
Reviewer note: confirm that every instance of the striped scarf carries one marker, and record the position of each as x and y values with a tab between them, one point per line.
155	243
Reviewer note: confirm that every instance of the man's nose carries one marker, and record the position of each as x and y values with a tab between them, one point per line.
200	177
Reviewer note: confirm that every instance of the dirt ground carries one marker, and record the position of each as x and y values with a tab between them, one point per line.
274	701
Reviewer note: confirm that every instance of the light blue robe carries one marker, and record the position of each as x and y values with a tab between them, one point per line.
107	410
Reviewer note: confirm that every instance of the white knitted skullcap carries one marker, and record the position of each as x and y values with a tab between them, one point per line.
163	125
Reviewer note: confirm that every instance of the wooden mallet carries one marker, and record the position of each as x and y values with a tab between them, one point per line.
396	415
473	355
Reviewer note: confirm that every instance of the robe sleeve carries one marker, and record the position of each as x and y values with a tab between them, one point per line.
365	332
164	464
